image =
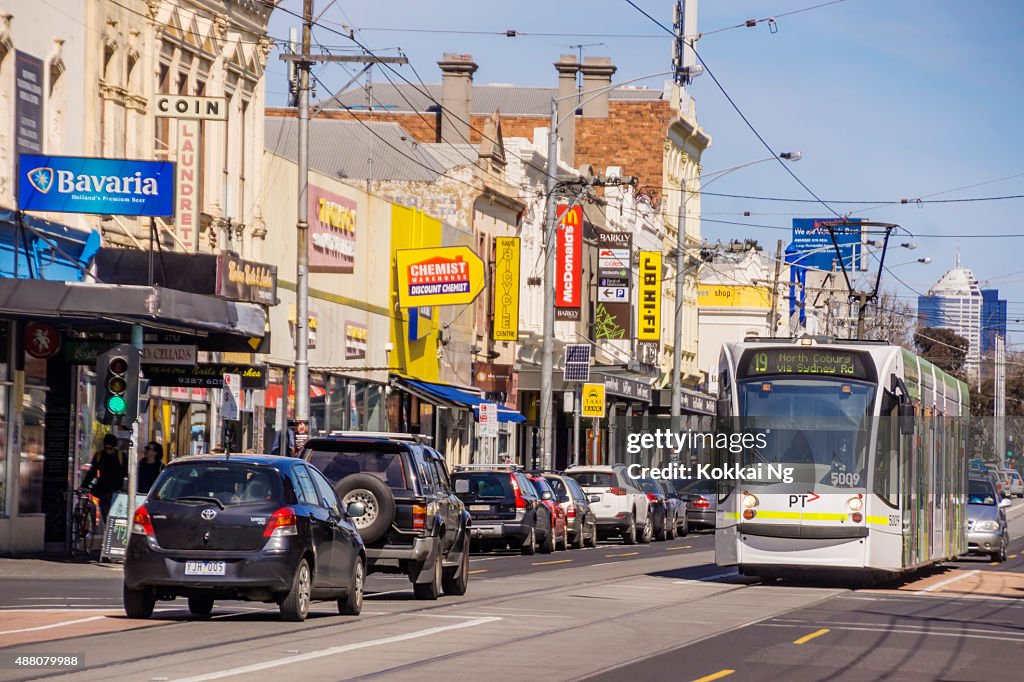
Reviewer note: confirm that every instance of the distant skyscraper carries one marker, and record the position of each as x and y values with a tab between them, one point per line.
993	319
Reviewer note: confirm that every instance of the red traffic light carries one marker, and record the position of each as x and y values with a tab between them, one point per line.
118	365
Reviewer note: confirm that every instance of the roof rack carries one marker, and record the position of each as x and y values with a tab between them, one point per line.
500	467
406	437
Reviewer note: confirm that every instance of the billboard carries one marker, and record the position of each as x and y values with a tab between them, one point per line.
568	262
649	297
445	275
74	184
506	289
332	232
28	103
812	245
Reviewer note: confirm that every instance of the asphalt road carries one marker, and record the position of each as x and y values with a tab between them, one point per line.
664	611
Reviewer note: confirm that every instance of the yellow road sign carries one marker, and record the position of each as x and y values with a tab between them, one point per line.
445	275
593	400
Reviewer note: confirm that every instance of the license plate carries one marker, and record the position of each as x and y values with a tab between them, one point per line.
479	507
204	568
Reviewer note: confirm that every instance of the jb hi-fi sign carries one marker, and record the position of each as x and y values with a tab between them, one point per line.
569	255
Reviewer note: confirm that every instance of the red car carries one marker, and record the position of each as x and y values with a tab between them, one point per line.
558	536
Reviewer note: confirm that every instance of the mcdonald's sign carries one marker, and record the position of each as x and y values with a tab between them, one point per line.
649	297
569	262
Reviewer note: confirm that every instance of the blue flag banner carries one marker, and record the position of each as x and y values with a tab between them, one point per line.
73	184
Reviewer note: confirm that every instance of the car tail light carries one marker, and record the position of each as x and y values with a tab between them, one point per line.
617	491
571	512
856	517
520	500
282	522
142	524
651	497
419	516
701	503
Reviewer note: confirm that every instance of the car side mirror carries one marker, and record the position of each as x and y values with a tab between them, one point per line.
1005	502
546	495
595	498
355	510
906	412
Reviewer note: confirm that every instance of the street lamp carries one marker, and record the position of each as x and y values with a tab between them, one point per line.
677	346
547	345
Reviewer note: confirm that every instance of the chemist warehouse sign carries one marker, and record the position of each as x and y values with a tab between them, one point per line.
449	275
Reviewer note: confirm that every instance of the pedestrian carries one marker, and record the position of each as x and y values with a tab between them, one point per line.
218	450
275	449
107	470
150	466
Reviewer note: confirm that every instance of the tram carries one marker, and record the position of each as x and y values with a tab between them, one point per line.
875	441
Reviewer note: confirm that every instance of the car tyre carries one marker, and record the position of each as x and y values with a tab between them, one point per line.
432	590
593	536
629	535
580	541
295	604
138	604
529	547
548	546
685	530
352	603
200	606
673	529
662	533
648	531
457	583
376	497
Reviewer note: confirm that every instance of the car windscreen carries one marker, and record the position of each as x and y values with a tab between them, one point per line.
356	458
980	492
594	479
482	485
227	482
557	486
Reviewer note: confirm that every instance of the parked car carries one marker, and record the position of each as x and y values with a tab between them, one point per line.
679	508
248	527
701	497
621	508
660	510
414	523
580	519
1016	483
987	531
558	536
505	508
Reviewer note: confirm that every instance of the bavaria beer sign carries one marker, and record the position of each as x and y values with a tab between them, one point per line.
449	275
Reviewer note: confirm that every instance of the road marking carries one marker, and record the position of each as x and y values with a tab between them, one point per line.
877	628
626	554
715	676
945	582
332	651
381	594
52	625
717	576
807	638
993	563
548	563
479	570
672	549
1012	556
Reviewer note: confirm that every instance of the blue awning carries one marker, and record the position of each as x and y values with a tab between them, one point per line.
457	396
39	249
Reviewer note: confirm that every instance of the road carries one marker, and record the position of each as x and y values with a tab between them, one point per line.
661	611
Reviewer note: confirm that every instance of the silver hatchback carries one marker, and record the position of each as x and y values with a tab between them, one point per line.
987	531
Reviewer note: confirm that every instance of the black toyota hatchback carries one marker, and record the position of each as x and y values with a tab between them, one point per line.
246	527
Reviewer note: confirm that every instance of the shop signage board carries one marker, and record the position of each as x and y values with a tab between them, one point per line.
28	103
115	536
568	262
492	378
169	354
247	281
231	396
506	288
614	260
192	107
812	235
612	321
593	401
446	275
78	184
332	232
649	297
613	294
356	337
206	375
186	186
488	420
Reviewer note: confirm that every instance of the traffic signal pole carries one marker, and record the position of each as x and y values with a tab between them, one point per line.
133	446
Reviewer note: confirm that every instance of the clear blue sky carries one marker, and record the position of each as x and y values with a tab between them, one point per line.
886	99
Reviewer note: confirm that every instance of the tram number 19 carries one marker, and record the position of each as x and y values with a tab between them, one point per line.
843	479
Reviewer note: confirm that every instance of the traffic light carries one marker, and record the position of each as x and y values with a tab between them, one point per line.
117	385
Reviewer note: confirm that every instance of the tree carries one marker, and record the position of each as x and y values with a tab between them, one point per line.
942	347
890	320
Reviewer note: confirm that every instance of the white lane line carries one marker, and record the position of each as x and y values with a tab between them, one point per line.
900	631
332	651
707	578
947	581
380	594
925	628
64	598
525	615
492	558
52	625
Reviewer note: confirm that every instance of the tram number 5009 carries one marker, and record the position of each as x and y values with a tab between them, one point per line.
843	479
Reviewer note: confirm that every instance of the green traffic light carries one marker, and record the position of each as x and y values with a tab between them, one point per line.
116	404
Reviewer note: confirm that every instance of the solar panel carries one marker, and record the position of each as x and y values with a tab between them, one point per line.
577	362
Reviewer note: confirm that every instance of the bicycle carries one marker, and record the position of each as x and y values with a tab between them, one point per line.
85	522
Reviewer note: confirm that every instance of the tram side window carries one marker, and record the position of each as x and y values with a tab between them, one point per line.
886	474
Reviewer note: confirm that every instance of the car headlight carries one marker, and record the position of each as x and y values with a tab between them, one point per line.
986	526
749	501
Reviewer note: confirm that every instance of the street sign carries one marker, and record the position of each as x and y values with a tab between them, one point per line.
577	362
231	397
593	400
613	294
488	420
613	281
191	107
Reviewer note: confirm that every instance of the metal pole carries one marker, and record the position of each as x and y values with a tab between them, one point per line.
547	359
302	229
677	344
773	317
576	425
999	405
133	448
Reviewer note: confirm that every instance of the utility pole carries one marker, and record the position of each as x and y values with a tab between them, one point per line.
547	364
773	317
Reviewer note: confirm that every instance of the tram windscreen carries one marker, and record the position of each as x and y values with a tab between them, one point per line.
817	425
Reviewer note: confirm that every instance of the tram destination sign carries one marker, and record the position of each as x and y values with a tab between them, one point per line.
806	361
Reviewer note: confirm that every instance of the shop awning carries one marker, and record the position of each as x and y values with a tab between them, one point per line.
273	393
450	396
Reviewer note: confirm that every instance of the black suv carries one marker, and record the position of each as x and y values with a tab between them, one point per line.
250	527
414	524
505	508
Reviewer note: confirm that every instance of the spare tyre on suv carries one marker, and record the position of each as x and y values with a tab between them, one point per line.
413	523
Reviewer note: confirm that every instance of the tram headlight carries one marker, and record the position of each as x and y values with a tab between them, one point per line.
986	526
749	501
855	504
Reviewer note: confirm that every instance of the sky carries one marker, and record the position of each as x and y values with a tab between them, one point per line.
885	99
